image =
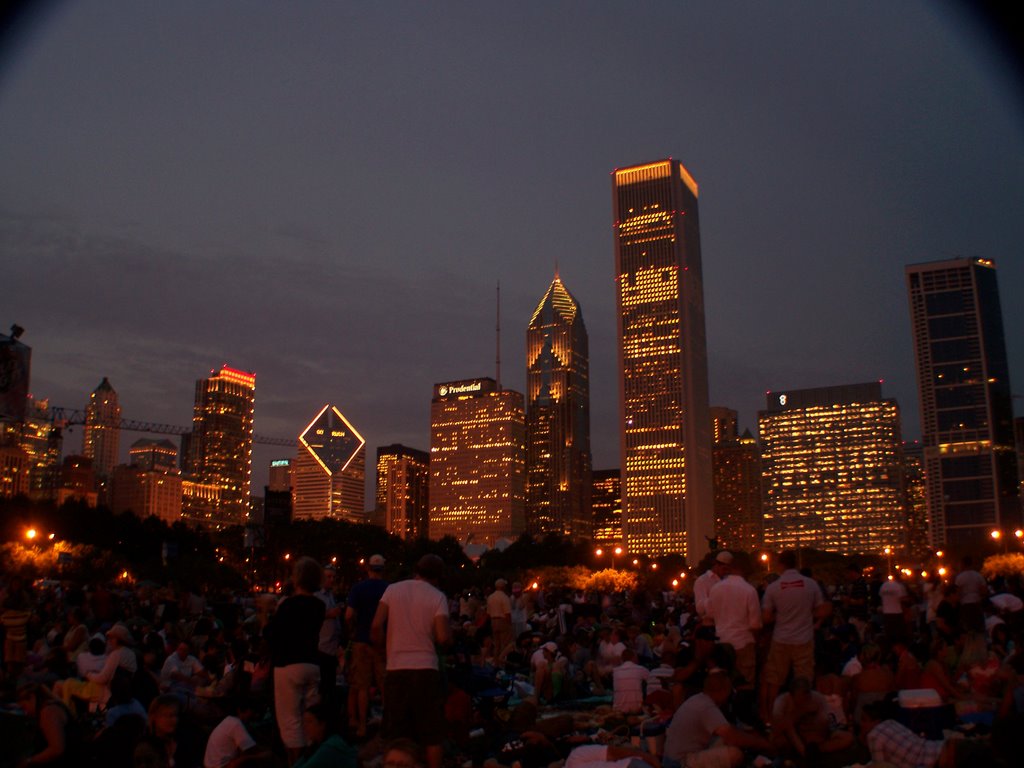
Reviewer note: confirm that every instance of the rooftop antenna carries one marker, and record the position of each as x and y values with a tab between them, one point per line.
497	333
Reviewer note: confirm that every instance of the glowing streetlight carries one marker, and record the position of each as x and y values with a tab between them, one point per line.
616	551
940	553
654	566
287	555
52	536
1019	533
599	552
31	533
636	561
675	582
764	557
996	534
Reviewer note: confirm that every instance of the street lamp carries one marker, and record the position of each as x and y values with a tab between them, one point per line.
31	533
616	551
888	559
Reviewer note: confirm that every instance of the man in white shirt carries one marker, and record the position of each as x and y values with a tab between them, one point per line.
628	680
499	611
702	586
413	619
734	609
894	597
231	740
973	592
182	672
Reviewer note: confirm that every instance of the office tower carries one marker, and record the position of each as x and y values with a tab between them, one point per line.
220	447
723	424
606	501
41	443
280	476
152	493
16	365
558	462
736	462
917	500
667	497
832	467
102	433
966	409
477	462
14	471
329	473
154	455
403	491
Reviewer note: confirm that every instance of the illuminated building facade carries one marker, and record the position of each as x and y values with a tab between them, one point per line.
14	471
667	495
329	473
154	493
102	434
833	470
477	462
41	444
558	461
403	491
963	382
220	445
154	455
606	501
280	476
736	461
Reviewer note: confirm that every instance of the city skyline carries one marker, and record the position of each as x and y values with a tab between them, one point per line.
328	198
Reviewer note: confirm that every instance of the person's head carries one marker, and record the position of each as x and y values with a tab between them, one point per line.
718	687
119	635
375	567
307	575
97	645
164	712
628	655
183	650
403	753
722	566
316	723
500	585
328	578
248	708
430	568
787	560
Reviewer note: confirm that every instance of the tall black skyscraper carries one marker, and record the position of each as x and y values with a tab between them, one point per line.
667	497
966	408
558	462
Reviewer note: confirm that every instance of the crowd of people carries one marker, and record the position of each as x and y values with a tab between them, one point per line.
403	675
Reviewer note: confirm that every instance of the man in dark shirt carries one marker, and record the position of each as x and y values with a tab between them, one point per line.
366	668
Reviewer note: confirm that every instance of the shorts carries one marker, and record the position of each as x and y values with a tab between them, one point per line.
783	657
414	706
366	667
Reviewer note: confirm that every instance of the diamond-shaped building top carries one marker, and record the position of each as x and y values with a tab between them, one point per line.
330	470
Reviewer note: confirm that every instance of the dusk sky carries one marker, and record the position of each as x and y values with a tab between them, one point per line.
326	193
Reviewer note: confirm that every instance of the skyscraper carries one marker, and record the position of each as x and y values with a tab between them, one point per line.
154	455
477	462
667	498
963	380
102	434
220	447
739	521
403	491
558	462
606	501
832	465
329	473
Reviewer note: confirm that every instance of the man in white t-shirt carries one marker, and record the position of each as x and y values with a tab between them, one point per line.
894	597
699	736
412	617
231	740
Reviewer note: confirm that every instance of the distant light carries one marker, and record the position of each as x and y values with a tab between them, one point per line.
942	571
997	534
940	553
675	582
30	534
51	536
654	566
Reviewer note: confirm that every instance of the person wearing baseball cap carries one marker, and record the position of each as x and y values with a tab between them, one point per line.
702	587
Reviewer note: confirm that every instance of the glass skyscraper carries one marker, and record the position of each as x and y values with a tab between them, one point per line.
963	381
558	461
667	498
